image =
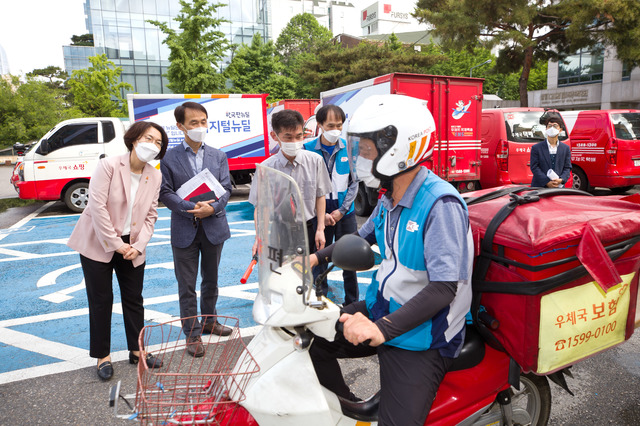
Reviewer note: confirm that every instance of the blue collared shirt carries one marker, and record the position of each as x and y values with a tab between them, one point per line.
195	158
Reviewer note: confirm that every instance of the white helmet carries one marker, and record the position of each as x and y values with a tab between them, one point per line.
403	131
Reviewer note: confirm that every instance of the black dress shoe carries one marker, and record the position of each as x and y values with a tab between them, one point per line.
152	361
105	370
216	328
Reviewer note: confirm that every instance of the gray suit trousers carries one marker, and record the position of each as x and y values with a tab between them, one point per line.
185	262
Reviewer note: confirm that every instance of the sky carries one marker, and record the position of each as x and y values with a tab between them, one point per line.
32	32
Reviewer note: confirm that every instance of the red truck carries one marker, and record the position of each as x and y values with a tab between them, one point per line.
456	105
605	148
507	137
306	107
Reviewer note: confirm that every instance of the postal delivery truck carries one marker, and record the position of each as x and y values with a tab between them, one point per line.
60	164
456	105
237	125
605	148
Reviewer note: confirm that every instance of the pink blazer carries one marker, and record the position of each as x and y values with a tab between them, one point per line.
98	232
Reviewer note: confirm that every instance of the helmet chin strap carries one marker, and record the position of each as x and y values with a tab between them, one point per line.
388	186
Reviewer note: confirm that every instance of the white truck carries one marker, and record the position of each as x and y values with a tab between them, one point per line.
60	164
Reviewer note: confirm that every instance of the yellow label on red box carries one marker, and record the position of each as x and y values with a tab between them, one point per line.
580	321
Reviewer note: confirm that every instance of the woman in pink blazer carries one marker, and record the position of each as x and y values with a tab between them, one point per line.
112	234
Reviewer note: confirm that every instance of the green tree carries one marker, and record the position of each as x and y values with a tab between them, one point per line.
55	75
97	91
394	42
505	85
29	110
197	50
526	30
255	69
302	35
82	40
335	66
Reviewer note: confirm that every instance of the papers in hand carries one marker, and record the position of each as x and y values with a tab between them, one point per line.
202	187
552	175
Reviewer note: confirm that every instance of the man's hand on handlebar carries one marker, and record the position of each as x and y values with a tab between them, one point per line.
358	329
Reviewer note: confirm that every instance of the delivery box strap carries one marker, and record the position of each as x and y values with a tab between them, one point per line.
532	288
626	244
482	266
512	190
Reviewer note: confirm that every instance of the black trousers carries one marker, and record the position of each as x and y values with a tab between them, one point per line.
346	225
98	278
185	261
409	380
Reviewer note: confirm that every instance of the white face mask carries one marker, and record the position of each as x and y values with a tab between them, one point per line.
363	170
146	151
552	132
198	134
291	148
332	136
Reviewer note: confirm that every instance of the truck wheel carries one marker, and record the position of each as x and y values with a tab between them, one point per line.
361	204
77	197
580	180
621	189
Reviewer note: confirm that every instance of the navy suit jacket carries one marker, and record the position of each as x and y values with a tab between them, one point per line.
176	170
540	162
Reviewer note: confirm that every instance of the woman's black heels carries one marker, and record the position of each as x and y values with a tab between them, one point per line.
152	361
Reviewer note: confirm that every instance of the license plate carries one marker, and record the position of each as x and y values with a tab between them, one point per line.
636	163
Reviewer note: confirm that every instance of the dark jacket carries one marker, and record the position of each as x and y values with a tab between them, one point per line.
540	162
176	170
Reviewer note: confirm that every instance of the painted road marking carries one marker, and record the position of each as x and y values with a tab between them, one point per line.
44	324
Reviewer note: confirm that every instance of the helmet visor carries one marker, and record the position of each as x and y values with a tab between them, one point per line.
362	155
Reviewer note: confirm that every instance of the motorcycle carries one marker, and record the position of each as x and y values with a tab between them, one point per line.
484	386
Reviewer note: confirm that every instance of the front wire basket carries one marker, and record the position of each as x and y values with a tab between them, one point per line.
190	390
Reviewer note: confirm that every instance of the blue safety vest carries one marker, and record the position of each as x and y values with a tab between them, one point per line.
403	273
340	173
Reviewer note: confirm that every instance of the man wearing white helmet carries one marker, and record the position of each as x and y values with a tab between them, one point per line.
413	315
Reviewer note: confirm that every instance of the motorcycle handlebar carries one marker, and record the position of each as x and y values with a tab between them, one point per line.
340	330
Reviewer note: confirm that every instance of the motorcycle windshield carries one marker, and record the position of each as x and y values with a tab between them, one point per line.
283	273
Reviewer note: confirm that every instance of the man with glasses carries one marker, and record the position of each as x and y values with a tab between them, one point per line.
305	167
550	160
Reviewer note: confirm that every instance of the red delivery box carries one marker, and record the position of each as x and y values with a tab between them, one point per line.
558	269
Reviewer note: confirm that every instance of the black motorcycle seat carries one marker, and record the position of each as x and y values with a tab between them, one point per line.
366	411
472	350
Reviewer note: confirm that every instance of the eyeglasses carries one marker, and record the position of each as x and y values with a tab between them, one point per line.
150	139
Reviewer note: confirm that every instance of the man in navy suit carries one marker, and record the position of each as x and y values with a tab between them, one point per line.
198	229
550	160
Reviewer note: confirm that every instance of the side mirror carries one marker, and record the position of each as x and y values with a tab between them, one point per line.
353	253
43	148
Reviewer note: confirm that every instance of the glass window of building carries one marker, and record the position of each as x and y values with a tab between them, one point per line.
121	30
586	66
626	71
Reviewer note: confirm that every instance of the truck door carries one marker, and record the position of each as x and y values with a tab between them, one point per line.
70	153
455	104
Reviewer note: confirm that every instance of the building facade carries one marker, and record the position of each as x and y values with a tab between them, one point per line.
386	17
589	80
121	31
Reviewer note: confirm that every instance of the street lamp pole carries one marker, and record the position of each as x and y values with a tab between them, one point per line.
488	61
